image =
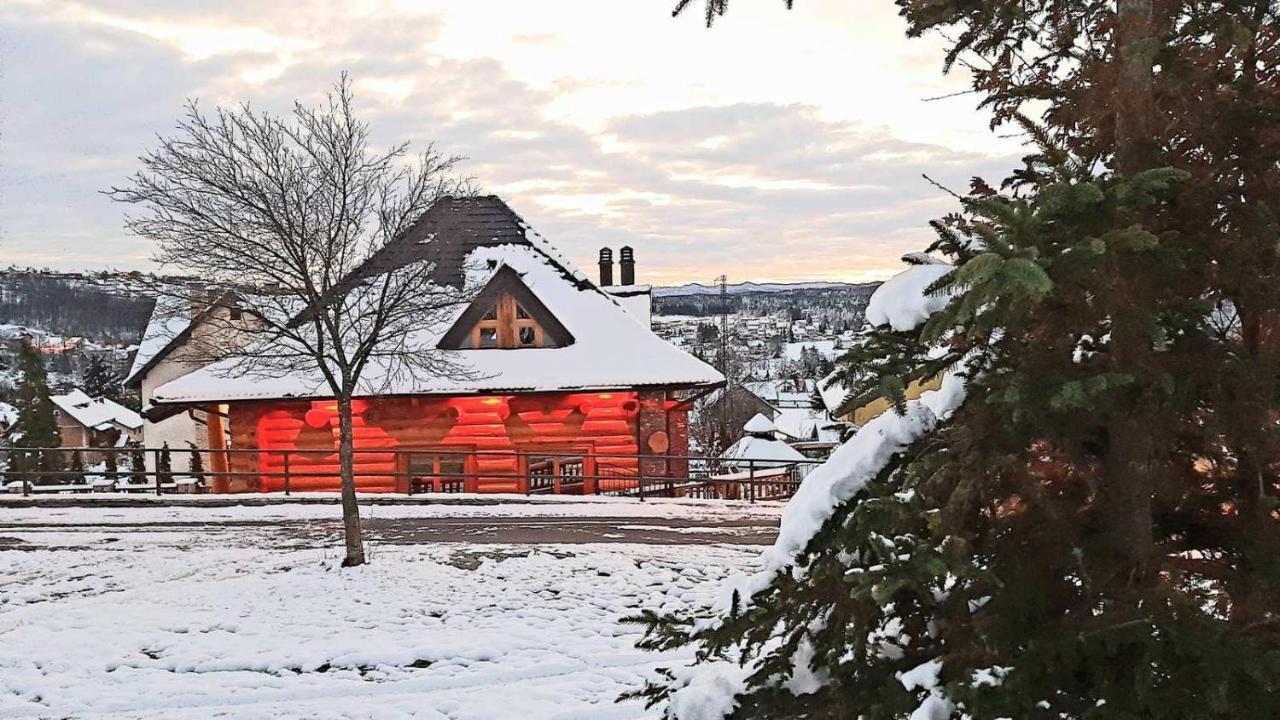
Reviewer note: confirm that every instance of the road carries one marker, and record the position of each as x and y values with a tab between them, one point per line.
291	532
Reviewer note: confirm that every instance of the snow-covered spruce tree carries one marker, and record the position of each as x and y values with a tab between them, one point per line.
1094	533
965	568
37	424
76	465
100	380
137	463
196	465
164	465
111	466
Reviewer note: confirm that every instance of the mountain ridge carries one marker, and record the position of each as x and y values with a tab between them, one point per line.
748	286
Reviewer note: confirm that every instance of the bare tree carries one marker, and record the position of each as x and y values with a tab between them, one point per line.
277	214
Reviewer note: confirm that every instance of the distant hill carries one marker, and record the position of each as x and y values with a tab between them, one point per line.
103	307
745	288
840	305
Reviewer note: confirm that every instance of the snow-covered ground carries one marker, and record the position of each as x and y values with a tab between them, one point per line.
232	612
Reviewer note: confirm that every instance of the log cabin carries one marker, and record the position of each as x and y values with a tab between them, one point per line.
564	379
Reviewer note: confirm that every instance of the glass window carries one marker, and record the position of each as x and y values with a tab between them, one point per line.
521	314
492	314
527	336
452	466
488	337
432	472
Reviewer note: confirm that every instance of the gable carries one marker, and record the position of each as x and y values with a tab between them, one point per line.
506	315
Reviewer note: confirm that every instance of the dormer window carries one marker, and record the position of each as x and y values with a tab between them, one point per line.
506	325
506	315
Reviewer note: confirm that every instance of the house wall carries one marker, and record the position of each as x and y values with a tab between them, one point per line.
71	434
866	413
180	429
602	423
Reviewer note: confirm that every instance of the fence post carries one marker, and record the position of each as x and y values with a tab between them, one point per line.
26	478
286	472
751	481
408	478
156	465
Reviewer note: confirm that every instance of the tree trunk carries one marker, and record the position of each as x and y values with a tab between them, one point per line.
1135	102
1127	487
346	463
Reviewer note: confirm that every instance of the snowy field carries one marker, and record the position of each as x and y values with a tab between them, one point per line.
243	612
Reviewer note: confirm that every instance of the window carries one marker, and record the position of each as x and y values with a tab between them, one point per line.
507	324
437	471
235	313
506	315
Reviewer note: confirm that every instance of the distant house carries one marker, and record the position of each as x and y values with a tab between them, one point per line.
759	448
89	422
737	404
165	355
858	410
784	393
566	378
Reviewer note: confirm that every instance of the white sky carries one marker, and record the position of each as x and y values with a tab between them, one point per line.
776	146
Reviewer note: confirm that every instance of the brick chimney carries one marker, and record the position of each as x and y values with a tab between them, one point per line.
606	267
627	265
197	297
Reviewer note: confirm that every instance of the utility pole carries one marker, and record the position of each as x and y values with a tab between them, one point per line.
722	358
724	326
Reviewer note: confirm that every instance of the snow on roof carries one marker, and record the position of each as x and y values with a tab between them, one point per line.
97	413
8	414
798	423
762	450
165	325
759	424
612	349
901	302
781	393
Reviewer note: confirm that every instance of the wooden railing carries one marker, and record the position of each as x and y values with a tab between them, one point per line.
46	470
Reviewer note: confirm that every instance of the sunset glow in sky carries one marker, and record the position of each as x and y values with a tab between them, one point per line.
777	146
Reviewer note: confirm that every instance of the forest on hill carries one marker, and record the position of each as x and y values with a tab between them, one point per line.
105	307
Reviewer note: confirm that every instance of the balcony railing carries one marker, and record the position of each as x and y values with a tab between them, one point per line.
411	471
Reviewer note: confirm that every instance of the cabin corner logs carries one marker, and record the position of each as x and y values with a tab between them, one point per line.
490	429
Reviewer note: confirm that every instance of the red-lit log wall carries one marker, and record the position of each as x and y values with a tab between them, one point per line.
622	423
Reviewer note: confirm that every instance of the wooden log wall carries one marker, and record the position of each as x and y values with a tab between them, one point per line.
600	423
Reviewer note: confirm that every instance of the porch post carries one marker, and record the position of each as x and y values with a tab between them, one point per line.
217	441
590	483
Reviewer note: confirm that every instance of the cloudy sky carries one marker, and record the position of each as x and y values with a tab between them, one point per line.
777	146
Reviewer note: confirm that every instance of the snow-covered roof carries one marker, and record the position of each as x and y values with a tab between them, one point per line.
798	423
8	414
782	393
762	450
611	348
759	424
168	322
97	413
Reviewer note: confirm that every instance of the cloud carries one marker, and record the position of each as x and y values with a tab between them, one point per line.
755	189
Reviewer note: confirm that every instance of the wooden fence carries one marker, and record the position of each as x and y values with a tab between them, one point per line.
45	471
